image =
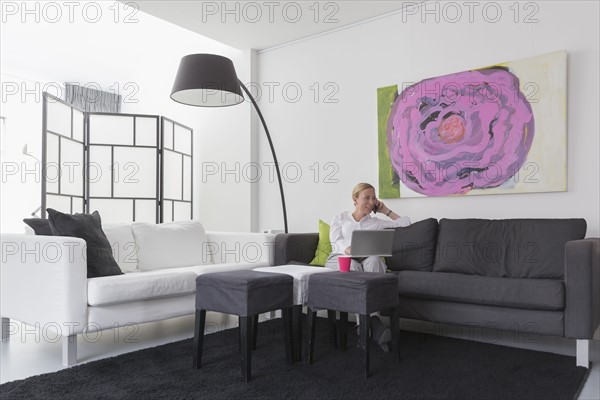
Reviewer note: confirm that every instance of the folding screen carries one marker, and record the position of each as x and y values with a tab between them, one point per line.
63	157
177	153
123	167
115	163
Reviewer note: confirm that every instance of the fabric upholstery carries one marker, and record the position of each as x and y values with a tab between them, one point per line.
44	288
323	247
296	247
124	248
495	322
532	294
414	246
582	280
133	312
100	261
139	286
300	273
353	292
516	248
169	245
243	293
39	225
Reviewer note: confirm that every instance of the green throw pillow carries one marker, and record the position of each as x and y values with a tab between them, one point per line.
324	245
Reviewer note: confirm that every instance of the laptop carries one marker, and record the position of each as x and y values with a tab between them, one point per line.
367	243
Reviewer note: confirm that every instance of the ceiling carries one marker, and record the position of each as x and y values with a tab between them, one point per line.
265	24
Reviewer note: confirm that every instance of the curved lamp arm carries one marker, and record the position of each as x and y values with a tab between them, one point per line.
264	124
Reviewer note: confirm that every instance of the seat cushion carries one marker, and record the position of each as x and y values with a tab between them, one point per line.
354	292
243	293
170	245
514	248
212	268
136	286
300	273
531	294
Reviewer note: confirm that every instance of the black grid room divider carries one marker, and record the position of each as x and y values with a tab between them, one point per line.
129	167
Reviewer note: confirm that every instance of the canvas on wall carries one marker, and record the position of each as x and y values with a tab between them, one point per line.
494	130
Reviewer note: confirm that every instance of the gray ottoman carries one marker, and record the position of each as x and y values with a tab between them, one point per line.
245	294
360	293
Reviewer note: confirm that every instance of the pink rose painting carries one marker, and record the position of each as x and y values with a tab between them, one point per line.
460	133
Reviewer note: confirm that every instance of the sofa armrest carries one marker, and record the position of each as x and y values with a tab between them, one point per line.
295	248
582	283
43	282
240	247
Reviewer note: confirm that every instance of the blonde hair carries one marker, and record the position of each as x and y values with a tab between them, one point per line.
359	188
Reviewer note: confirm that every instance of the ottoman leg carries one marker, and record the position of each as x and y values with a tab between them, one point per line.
394	326
312	320
297	329
332	328
246	344
254	331
343	331
365	326
288	337
199	337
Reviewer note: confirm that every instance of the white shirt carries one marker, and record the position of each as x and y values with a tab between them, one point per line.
342	226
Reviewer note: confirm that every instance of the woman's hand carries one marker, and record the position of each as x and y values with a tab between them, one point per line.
381	207
347	251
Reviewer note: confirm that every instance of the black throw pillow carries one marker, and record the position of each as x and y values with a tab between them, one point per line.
40	226
100	261
414	247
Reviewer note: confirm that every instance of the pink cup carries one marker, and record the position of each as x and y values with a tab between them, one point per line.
344	262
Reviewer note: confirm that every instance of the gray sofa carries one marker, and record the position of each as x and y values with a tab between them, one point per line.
528	276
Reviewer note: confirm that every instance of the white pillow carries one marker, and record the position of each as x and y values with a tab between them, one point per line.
169	245
124	247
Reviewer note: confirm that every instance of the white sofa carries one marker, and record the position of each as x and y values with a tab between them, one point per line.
43	281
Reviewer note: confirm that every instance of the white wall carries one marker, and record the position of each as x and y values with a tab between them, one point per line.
407	48
136	54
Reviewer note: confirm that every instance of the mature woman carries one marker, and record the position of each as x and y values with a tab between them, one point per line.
347	222
340	235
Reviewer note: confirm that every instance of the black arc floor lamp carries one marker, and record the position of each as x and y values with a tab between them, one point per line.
210	80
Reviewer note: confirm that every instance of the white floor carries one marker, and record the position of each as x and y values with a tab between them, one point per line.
30	352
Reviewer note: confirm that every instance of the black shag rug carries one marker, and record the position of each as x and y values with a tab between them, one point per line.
432	367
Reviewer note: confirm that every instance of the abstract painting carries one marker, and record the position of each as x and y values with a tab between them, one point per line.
493	130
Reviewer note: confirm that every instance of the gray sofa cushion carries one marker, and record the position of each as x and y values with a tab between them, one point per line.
516	248
531	294
100	260
414	247
40	226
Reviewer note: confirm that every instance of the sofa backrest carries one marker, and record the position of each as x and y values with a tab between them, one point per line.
122	243
516	248
414	247
171	244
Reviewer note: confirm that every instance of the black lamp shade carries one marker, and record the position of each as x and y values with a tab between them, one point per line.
207	80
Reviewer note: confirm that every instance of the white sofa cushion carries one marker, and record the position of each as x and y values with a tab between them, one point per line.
124	248
140	286
301	274
210	268
169	245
